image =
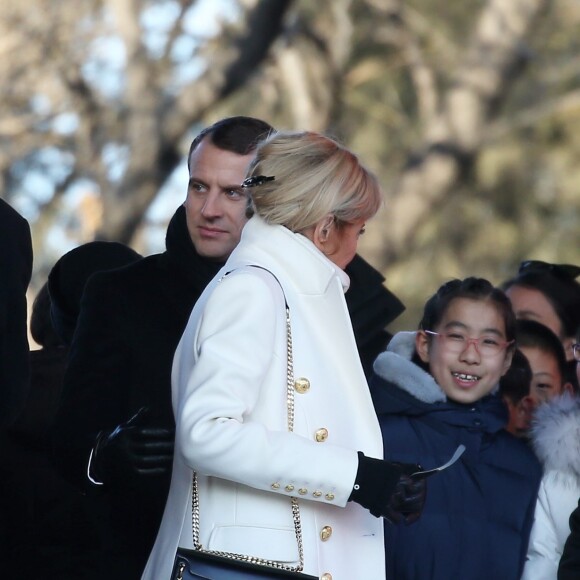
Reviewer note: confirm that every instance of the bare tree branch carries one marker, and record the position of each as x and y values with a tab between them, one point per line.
492	62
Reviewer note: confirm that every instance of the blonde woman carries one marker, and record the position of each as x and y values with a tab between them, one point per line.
311	199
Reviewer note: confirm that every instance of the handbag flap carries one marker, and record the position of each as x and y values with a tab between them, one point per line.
276	544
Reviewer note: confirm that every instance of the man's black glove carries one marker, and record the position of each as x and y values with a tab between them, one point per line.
131	451
387	490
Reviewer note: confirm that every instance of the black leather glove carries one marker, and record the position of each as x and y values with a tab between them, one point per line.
131	451
408	499
387	490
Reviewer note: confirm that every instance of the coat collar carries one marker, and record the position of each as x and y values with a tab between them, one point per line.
183	257
394	365
290	257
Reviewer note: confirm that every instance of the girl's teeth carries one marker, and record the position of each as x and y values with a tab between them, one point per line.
465	377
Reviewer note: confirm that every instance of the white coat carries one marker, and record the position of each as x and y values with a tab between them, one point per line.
556	439
229	399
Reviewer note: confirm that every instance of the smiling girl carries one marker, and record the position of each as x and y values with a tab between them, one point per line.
433	390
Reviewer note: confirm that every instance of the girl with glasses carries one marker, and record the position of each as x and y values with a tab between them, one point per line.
433	390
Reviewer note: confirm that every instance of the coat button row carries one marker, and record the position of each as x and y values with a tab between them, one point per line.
303	491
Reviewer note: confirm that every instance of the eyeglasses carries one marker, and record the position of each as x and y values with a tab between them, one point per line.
457	342
576	351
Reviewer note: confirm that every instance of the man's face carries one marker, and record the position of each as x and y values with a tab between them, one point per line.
215	206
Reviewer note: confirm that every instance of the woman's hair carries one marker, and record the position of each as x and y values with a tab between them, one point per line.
313	176
474	289
557	283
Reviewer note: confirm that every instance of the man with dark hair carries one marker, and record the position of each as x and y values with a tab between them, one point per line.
113	434
15	273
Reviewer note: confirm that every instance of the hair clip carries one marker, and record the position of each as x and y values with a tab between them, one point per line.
257	180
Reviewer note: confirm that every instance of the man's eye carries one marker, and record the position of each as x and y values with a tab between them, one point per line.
193	186
235	194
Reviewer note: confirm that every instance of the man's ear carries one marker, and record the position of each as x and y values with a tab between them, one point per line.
422	344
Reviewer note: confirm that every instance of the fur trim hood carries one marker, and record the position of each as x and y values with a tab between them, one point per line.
394	365
556	434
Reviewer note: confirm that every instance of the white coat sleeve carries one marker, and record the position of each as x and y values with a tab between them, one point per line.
544	551
242	326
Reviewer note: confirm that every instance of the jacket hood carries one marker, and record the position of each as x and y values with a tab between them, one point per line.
394	365
556	434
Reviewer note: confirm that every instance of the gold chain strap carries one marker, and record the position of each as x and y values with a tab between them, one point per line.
295	508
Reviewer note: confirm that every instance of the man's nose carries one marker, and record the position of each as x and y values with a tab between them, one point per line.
212	206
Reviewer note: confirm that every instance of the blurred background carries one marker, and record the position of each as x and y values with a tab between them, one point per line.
468	111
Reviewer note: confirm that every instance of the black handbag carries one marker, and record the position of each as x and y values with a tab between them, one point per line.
199	563
195	564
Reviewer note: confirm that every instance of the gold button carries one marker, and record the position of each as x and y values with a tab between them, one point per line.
326	576
302	491
317	493
276	486
325	533
289	487
321	435
302	385
329	496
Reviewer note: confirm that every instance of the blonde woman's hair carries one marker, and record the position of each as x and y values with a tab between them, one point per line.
313	176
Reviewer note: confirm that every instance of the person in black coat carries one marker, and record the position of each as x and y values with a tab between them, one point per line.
115	427
569	568
116	408
372	307
15	274
44	518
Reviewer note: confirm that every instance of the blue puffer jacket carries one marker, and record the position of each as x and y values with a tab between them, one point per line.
478	513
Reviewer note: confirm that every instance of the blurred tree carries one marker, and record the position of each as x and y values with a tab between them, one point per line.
467	111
